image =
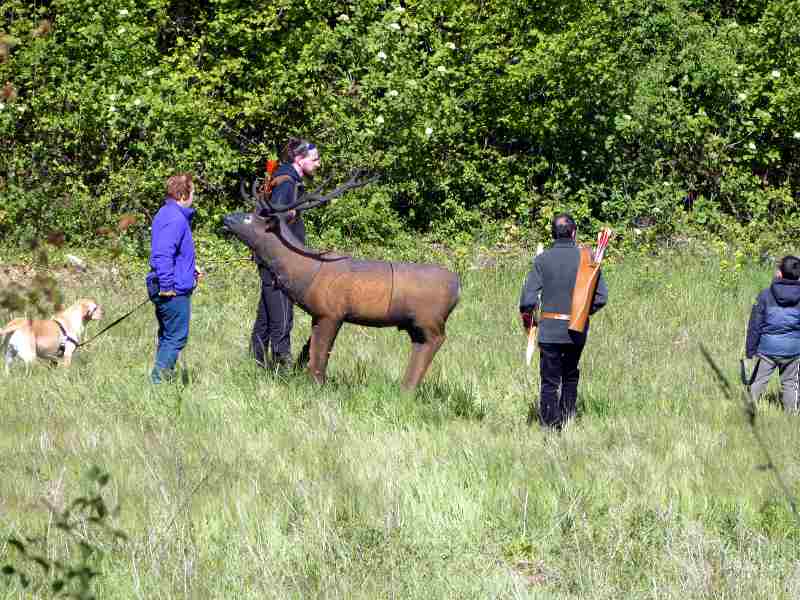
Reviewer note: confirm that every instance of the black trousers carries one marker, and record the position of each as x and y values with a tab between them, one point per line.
274	320
558	367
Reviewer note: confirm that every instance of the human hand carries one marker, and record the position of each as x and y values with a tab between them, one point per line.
527	320
199	275
291	216
167	293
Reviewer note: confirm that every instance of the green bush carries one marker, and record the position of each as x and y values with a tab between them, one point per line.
471	111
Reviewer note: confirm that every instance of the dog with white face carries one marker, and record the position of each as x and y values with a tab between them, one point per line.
54	339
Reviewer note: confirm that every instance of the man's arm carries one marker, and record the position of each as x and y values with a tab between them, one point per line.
529	297
754	329
166	237
600	295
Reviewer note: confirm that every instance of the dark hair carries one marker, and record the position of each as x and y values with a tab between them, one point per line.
563	226
179	186
296	147
790	267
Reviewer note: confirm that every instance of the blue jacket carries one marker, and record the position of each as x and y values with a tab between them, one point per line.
172	259
774	327
286	193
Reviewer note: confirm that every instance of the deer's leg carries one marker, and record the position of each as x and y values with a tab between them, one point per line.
323	334
424	345
69	348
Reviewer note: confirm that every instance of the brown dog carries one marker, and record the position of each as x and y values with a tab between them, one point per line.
53	339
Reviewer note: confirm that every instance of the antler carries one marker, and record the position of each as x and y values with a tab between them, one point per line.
254	196
317	198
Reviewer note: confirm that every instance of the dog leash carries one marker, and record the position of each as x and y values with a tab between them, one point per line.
141	304
107	327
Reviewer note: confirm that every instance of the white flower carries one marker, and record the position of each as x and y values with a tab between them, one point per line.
441	69
673	89
150	72
2	105
123	13
776	73
400	9
393	93
121	30
451	45
429	131
112	109
741	96
21	108
379	120
795	135
137	102
382	55
395	26
751	145
627	117
343	18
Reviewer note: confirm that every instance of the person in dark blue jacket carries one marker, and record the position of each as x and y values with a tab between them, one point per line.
773	334
173	273
275	316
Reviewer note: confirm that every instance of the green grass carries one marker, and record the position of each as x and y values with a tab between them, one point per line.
245	485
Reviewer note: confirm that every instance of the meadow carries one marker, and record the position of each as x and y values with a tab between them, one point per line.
239	483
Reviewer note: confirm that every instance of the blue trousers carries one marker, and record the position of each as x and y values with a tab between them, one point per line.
173	331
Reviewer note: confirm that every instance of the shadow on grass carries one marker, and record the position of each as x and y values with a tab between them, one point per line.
452	398
772	398
365	387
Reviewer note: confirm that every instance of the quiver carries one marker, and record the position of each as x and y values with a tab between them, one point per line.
585	287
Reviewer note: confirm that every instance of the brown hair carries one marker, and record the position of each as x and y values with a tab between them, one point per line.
296	147
179	186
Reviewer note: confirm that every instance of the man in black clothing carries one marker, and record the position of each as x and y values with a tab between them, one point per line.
553	277
275	317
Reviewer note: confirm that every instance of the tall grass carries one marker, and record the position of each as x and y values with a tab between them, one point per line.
239	484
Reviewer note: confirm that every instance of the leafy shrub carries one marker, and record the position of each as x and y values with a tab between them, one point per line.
472	111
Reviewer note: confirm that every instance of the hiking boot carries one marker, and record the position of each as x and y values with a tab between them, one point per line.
282	362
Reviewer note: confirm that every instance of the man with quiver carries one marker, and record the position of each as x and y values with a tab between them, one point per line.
565	284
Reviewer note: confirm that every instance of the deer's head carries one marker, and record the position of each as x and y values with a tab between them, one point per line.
251	228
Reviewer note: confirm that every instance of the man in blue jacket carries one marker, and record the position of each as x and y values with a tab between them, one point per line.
173	274
275	316
773	334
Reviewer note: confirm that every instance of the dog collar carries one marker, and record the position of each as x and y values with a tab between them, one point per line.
65	337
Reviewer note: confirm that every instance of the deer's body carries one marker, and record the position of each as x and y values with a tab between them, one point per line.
339	289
